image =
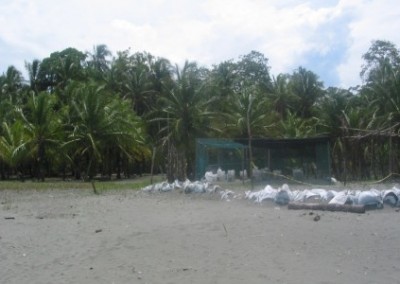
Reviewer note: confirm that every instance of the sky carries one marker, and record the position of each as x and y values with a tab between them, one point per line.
327	37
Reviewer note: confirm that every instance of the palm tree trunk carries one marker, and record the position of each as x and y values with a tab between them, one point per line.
182	166
170	163
118	161
40	160
2	172
153	156
250	170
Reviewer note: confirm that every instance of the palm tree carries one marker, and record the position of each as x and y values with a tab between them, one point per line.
12	145
381	74
129	76
100	122
281	96
248	117
98	59
296	127
11	84
137	87
306	86
330	110
33	73
161	72
42	128
223	78
184	115
384	90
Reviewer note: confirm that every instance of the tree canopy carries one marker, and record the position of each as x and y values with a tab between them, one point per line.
93	113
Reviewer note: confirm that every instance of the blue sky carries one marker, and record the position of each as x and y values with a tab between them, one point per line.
325	36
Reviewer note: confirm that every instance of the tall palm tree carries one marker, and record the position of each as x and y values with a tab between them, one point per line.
12	149
137	88
281	96
98	59
381	74
11	85
184	114
33	73
248	117
223	78
307	87
161	72
42	127
99	122
330	110
384	90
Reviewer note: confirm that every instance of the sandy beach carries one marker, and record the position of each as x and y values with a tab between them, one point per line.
72	236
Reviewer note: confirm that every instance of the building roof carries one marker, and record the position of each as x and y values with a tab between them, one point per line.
280	143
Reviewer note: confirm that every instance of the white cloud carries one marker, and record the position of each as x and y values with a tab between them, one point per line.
282	34
376	19
208	31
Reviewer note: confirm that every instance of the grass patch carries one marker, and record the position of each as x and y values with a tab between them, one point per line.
57	184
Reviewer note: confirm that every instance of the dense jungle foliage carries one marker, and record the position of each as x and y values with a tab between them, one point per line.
88	114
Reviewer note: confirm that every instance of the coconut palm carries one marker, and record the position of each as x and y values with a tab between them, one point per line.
33	73
12	149
330	110
248	117
184	116
281	96
137	87
307	87
294	126
99	122
223	78
129	76
42	128
11	85
381	106
98	60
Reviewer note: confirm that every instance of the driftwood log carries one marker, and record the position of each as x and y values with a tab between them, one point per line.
327	207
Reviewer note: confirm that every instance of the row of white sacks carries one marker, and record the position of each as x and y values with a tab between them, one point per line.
258	174
221	175
189	187
283	195
229	175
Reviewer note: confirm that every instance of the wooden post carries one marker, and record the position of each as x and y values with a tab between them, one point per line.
390	155
327	207
243	158
344	163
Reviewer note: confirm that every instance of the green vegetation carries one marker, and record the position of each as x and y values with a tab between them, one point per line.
94	115
101	186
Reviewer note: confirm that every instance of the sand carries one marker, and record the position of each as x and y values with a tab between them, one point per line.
71	236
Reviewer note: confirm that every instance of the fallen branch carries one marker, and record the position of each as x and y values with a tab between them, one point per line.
327	207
